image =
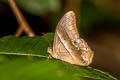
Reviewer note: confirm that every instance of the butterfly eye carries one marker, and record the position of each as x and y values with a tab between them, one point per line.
75	42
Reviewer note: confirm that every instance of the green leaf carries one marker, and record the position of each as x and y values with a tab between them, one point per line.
37	65
36	46
24	69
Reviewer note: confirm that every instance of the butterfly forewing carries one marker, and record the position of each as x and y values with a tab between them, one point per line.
68	22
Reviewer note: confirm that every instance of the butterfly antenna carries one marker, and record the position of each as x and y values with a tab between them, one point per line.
47	39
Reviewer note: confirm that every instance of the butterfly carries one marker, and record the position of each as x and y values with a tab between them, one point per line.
68	46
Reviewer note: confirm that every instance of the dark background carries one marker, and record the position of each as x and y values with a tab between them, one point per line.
98	22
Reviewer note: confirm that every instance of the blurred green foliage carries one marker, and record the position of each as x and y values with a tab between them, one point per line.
26	59
28	69
99	14
89	16
38	7
93	13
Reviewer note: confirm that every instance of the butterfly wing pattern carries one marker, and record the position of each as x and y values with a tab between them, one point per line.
68	46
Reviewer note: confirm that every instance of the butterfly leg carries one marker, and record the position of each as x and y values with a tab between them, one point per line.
49	51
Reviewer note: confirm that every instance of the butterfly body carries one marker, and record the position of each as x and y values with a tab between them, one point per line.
68	46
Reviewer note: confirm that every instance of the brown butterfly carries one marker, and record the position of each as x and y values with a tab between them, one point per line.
68	46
